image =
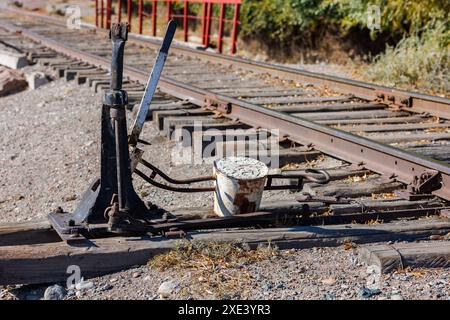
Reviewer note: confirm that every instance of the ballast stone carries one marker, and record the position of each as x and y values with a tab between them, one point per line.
55	292
167	288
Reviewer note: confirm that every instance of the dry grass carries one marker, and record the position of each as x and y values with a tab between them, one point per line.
217	267
316	161
195	255
436	119
418	62
385	195
290	166
306	164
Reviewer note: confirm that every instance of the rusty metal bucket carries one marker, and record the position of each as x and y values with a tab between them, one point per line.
239	185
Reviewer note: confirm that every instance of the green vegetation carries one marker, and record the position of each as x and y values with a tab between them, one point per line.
410	48
281	20
398	17
285	19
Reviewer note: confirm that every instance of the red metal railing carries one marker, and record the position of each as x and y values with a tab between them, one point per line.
103	9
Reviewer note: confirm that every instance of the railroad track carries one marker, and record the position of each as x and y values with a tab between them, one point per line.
386	150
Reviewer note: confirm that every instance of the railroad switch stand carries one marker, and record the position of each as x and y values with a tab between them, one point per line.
110	204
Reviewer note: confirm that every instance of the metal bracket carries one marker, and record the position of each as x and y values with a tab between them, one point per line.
212	103
422	186
427	182
115	98
174	233
403	101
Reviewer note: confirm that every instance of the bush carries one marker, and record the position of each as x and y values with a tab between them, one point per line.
398	17
420	60
410	48
280	19
285	19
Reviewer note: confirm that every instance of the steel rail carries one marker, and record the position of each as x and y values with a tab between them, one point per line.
410	101
404	166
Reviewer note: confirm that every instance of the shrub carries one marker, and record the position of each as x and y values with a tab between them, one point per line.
280	19
398	17
419	60
284	19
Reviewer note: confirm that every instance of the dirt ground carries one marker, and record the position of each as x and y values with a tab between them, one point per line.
48	155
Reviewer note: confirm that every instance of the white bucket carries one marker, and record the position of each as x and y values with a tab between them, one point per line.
239	185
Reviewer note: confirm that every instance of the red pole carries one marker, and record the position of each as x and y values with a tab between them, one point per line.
119	10
185	20
169	5
96	13
154	11
208	24
235	28
140	16
108	14
101	13
203	22
129	13
220	32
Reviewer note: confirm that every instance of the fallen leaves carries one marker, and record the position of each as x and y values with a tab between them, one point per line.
349	245
385	195
356	178
373	221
